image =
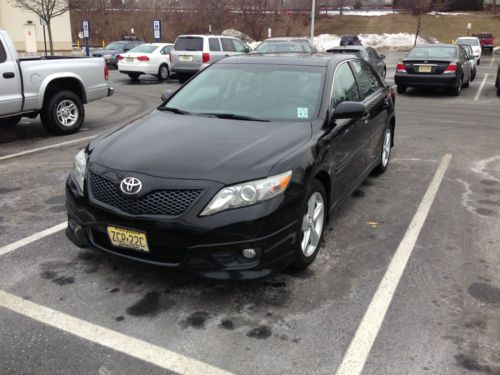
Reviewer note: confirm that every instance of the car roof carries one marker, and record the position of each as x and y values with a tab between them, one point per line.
160	44
436	45
467	37
205	36
357	48
286	39
297	59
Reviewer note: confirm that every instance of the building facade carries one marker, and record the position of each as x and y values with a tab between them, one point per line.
26	31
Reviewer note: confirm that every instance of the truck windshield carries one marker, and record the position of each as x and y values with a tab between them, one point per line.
260	91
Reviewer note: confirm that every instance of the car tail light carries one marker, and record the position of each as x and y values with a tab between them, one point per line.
119	57
106	72
400	68
206	57
143	58
451	68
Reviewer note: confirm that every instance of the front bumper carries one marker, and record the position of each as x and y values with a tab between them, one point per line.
209	246
422	80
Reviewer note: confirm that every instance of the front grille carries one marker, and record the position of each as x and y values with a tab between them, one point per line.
158	202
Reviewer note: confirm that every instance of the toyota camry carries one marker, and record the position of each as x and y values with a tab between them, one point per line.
236	173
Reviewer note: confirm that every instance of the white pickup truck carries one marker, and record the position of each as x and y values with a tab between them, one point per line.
54	87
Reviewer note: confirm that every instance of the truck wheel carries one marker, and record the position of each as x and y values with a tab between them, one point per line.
63	113
10	121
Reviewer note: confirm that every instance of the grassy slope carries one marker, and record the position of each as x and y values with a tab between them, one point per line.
443	28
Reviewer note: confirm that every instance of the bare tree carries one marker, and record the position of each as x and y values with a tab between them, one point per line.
46	10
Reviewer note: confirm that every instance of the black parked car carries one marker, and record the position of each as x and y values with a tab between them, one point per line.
434	65
350	40
237	172
367	54
497	82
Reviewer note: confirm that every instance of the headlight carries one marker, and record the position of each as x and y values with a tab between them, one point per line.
79	167
248	193
108	56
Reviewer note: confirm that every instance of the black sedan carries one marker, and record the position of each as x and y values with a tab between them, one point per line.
366	53
434	66
235	175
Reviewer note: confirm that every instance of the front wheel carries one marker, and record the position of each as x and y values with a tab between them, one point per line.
385	153
63	113
312	223
10	121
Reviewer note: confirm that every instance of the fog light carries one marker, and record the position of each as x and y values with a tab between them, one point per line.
249	253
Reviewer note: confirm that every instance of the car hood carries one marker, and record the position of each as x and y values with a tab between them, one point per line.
198	148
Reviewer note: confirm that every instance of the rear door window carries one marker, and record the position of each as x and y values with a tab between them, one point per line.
368	82
189	44
344	87
3	54
227	45
214	44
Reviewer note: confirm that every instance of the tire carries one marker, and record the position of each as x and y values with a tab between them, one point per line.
307	250
163	72
401	89
63	113
385	152
134	76
10	121
479	62
467	84
474	72
455	91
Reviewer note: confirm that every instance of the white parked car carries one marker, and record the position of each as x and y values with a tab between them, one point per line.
153	59
475	45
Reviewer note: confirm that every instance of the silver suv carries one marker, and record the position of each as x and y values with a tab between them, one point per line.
191	53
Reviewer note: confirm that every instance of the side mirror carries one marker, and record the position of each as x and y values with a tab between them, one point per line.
167	94
497	51
349	110
382	57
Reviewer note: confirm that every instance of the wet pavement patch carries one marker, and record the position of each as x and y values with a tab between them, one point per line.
472	364
358	194
9	190
485	212
150	305
485	293
120	318
227	324
489	182
58	199
260	333
63	280
196	320
489	203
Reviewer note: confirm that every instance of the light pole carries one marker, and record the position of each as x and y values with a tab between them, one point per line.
313	18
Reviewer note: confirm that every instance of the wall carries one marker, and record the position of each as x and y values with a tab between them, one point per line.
15	21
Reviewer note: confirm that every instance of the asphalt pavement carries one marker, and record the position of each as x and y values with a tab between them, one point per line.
406	281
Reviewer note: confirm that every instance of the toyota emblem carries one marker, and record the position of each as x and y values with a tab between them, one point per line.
130	185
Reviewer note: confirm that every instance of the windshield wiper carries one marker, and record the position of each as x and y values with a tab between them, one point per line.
232	116
174	110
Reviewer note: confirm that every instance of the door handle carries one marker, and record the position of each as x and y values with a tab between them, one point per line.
9	75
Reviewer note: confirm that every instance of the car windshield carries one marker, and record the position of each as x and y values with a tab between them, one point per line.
145	48
265	92
115	46
433	52
279	47
469	42
189	44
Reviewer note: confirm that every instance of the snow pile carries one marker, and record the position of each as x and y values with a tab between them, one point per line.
238	34
363	13
447	14
387	42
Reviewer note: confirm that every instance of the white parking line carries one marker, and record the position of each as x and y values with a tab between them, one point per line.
476	98
117	341
492	59
34	237
362	342
27	152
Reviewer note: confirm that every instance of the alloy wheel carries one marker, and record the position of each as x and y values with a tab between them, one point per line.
312	224
67	113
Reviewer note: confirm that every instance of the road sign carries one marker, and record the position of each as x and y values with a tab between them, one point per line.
157	29
469	26
43	22
86	29
269	33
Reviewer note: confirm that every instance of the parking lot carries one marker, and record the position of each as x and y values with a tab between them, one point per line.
69	310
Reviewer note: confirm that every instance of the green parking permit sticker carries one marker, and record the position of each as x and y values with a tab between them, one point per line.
302	112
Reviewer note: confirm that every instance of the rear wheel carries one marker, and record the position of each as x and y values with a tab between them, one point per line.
312	223
134	76
10	121
455	91
385	153
401	89
63	113
467	84
163	72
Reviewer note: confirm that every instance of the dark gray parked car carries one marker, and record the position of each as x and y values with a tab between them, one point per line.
285	44
366	53
113	49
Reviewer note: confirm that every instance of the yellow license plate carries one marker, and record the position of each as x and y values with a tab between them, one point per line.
128	239
185	58
425	69
130	59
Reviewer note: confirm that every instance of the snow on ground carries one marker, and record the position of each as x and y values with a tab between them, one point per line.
447	14
391	42
364	13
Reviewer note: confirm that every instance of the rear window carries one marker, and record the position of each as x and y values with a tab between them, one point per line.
433	52
145	48
485	35
3	54
188	44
